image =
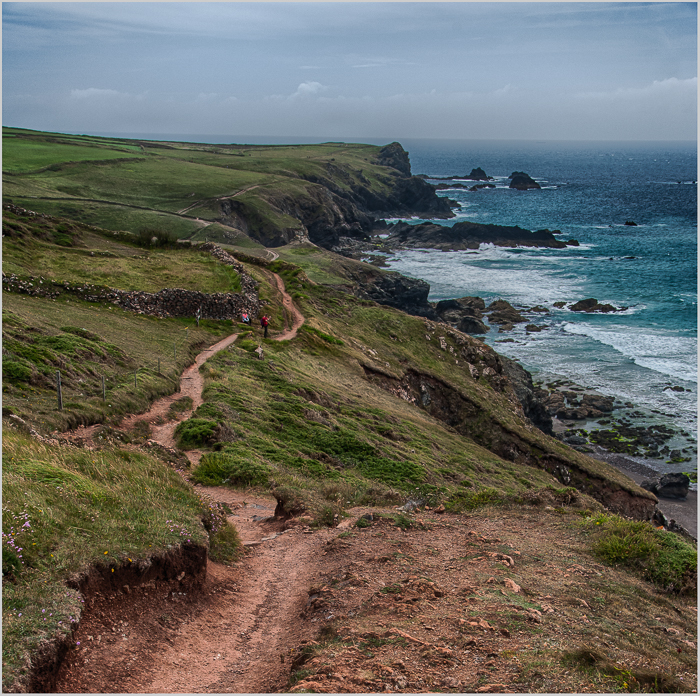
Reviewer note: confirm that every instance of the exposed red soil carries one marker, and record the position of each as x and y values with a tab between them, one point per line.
293	318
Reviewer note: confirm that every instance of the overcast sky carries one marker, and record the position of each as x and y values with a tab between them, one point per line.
546	71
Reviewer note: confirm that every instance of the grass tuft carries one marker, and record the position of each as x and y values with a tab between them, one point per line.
661	557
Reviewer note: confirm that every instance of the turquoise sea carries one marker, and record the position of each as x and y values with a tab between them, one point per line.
589	190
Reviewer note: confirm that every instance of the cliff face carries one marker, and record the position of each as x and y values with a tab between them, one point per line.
339	201
394	290
467	417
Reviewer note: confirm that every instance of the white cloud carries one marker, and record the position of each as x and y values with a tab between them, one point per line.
502	91
94	92
657	88
306	89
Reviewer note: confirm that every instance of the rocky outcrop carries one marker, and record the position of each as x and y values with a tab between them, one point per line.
570	405
472	325
393	155
502	312
669	486
522	181
531	398
466	235
392	289
592	305
478	174
464	313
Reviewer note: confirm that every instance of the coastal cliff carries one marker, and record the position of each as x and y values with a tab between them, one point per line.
344	203
351	447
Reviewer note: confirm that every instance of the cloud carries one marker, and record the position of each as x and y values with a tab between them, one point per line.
95	93
502	91
656	89
307	89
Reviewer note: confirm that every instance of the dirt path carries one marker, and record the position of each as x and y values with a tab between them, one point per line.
291	313
234	636
238	644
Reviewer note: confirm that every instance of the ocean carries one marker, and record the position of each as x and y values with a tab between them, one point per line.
589	190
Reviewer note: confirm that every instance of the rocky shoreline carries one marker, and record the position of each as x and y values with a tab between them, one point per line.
588	421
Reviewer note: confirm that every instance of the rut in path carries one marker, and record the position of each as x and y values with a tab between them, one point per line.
234	641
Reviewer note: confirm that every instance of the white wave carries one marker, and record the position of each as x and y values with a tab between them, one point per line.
490	272
402	219
670	355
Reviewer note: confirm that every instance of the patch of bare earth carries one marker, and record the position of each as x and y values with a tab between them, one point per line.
230	637
487	603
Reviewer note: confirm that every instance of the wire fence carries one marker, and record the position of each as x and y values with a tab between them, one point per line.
124	379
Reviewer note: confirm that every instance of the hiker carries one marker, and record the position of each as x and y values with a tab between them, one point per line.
264	323
245	318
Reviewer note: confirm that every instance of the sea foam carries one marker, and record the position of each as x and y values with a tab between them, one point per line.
674	356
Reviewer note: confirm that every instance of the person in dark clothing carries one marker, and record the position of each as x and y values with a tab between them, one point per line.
264	322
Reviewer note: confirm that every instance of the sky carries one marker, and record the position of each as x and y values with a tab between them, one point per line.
362	70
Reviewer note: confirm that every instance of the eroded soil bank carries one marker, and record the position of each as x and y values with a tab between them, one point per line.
450	603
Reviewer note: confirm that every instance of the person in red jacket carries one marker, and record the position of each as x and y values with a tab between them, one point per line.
264	322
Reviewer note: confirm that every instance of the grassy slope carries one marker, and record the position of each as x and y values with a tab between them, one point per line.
94	180
304	420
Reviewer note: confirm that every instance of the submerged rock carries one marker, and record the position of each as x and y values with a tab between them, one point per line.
523	182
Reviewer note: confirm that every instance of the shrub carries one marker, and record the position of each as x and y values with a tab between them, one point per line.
149	236
195	432
14	371
403	522
225	545
218	468
465	501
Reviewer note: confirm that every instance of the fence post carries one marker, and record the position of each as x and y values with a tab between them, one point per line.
58	390
104	390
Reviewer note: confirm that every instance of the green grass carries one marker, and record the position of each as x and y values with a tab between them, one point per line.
67	509
29	250
307	422
26	155
88	179
662	558
86	342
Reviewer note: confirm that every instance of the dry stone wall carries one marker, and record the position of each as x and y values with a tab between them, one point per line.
170	302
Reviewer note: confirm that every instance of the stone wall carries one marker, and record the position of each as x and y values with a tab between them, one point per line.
170	302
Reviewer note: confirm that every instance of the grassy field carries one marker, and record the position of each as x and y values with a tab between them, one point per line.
31	249
118	184
24	154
